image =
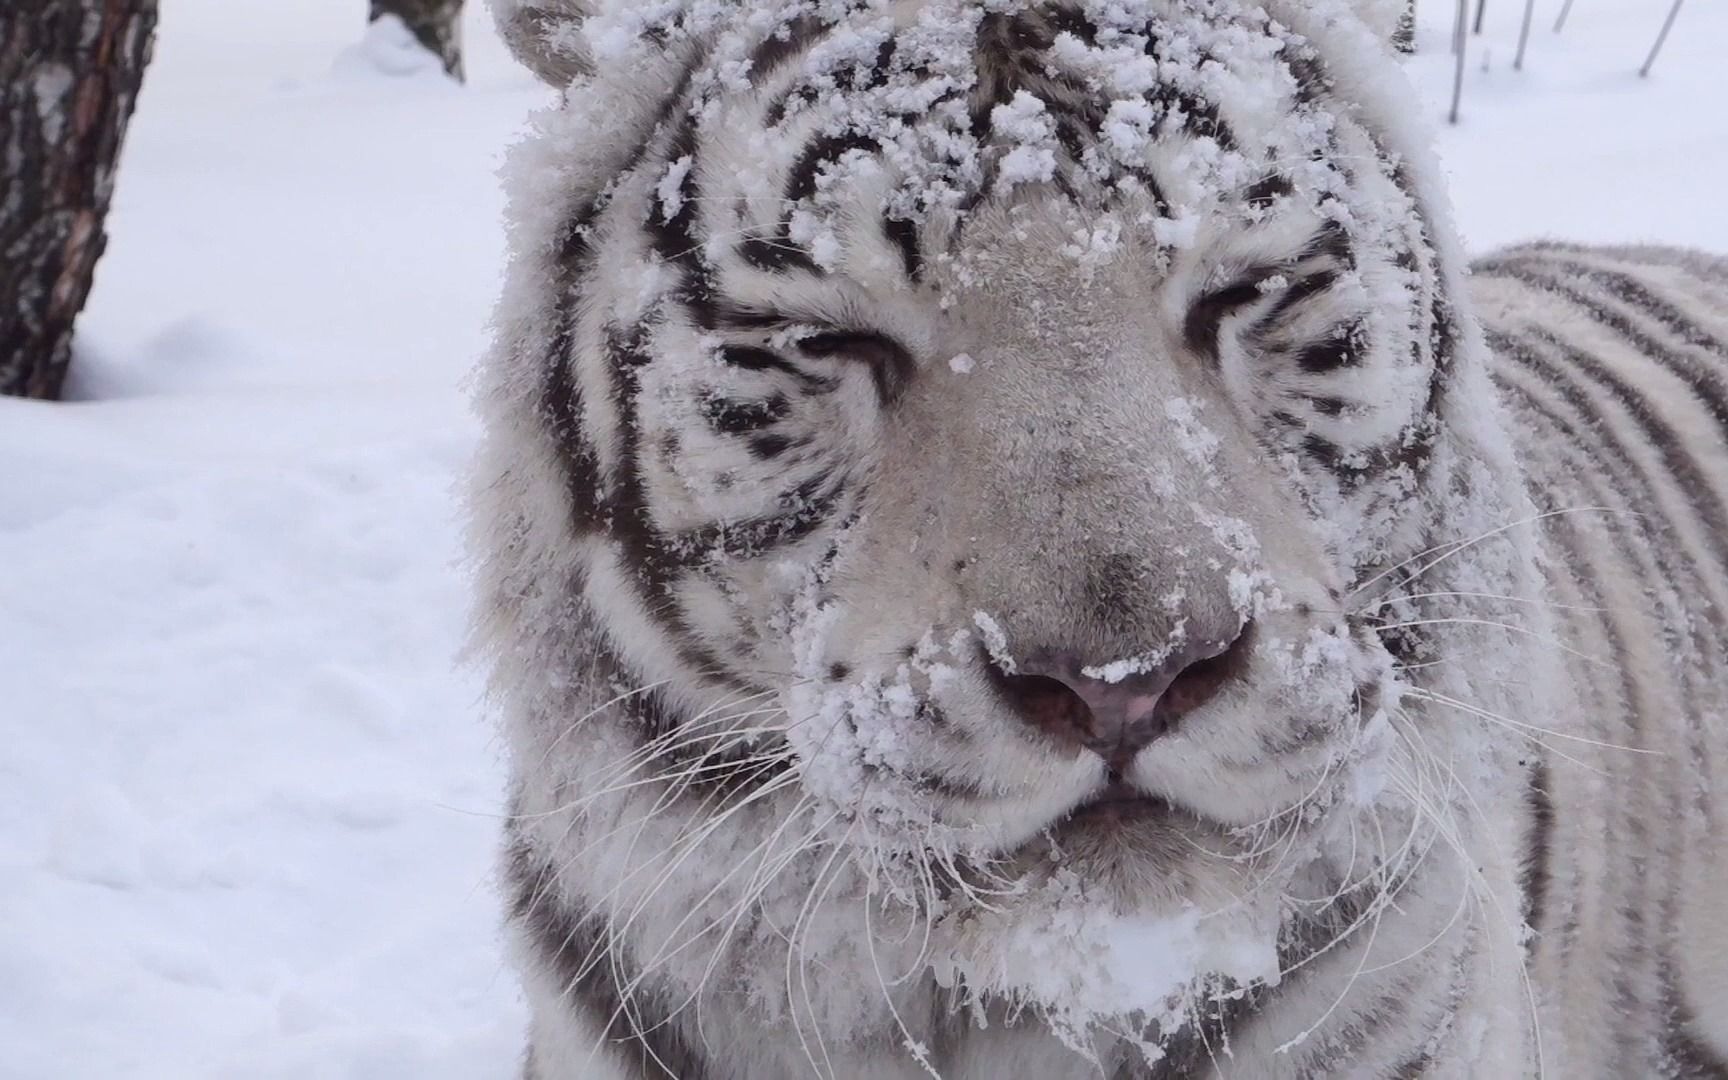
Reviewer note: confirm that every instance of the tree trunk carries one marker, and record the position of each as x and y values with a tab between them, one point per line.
436	24
69	77
1405	38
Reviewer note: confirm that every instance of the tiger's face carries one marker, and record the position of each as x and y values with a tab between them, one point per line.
971	424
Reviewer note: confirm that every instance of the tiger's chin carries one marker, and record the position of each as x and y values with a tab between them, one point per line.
1126	914
1141	853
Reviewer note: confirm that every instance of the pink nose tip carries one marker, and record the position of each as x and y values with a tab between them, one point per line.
1116	720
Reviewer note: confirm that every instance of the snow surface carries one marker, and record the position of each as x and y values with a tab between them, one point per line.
248	799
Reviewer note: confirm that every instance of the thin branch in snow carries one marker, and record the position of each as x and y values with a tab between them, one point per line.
1524	34
1458	41
1565	10
1661	39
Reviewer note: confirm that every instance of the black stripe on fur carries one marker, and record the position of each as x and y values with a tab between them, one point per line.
903	234
595	973
1706	384
891	365
777	254
740	416
1674	450
782	46
802	511
823	151
1539	851
627	514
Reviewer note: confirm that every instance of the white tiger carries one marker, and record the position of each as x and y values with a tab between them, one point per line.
1006	552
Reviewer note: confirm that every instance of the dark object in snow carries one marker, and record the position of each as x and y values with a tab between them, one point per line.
1655	50
1524	34
69	77
436	24
1459	40
1661	39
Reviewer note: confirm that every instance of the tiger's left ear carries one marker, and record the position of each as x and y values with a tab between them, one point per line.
546	36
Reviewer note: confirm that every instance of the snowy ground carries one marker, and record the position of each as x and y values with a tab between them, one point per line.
247	799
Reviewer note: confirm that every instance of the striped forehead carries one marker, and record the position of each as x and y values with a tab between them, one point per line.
925	127
793	165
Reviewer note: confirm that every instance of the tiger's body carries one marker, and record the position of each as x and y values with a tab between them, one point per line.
1011	549
1615	365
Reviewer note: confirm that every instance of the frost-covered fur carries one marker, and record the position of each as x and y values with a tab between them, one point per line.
857	357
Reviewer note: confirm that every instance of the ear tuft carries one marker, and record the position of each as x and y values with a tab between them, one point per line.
546	36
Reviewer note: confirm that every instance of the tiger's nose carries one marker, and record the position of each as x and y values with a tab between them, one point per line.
1114	714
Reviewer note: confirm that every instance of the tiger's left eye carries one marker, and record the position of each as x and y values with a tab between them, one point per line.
891	364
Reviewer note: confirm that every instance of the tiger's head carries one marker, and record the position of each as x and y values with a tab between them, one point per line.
968	429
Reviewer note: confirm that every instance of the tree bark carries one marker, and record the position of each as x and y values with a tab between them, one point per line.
69	77
436	24
1405	38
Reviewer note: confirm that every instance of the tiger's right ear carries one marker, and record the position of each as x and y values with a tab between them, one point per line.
546	36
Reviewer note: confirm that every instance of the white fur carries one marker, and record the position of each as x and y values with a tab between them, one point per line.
798	928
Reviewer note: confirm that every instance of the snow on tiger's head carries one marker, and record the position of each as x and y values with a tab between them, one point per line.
971	417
